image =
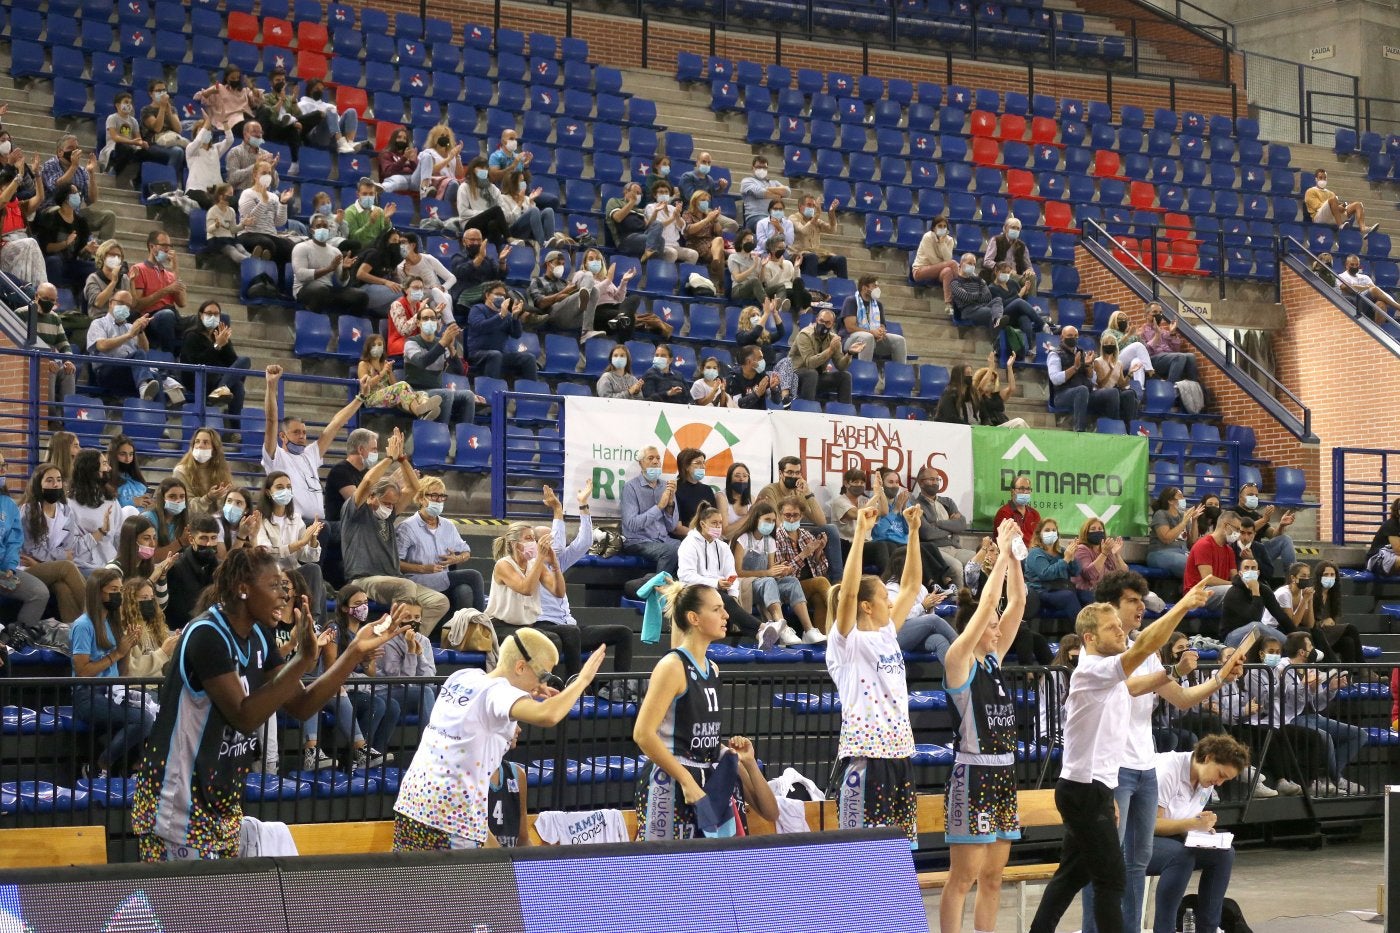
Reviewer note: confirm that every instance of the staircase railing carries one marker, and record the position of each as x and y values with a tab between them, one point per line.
1379	322
527	451
1363	486
1266	390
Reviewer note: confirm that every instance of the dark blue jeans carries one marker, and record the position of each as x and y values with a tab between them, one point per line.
127	724
1174	862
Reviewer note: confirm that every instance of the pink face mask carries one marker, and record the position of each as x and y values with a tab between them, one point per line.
145	553
715	533
360	612
529	549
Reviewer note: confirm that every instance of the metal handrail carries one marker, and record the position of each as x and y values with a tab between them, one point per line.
1225	27
1375	496
1230	361
1348	303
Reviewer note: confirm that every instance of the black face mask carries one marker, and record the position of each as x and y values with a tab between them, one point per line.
316	94
1108	349
746	246
855	492
112	603
1094	537
1159	319
891	491
278	85
444	140
777	254
45	304
741	488
471	249
68	156
148	609
1212	512
235	83
400	145
205	555
51	495
821	331
127	467
1353	269
790	482
1070	342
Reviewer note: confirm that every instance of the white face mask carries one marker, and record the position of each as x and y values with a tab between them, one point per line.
512	145
969	270
376	352
1321	184
202	454
265	181
1049	537
112	262
1232	537
383	513
875	293
760	173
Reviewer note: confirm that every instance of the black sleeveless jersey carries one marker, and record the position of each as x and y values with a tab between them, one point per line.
503	804
985	712
691	727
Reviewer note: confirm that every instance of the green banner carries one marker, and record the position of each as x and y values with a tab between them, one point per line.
1074	477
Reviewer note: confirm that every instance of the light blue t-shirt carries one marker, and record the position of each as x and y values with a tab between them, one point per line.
83	640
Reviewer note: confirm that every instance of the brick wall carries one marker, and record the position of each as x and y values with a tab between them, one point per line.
1274	442
617	41
1171	42
14	387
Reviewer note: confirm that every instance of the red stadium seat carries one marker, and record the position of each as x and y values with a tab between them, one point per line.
1020	183
312	37
986	151
1013	127
242	27
277	32
311	65
1106	163
1143	196
1178	226
983	123
351	98
1058	216
1045	131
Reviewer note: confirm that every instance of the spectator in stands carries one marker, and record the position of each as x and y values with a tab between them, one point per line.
1322	268
126	480
700	179
561	305
525	217
737	500
665	221
361	453
209	342
365	221
440	164
67	167
60	376
1212	558
923	630
229	103
1246	545
398	164
376	270
221	226
1072	375
709	387
1095	554
204	162
746	271
761	325
1133	354
706	559
702	234
1300	699
263	211
294	542
323	276
956	405
125	145
159	294
403	313
426	355
758	192
1184	782
429	269
819	360
1339	640
237	521
748	386
1109	376
245	163
1170	355
1274	541
1048	572
95	510
943	559
155	643
160	128
691	489
1295	598
525	563
98	653
650	525
325	124
808	225
277	112
1248	602
322	205
935	261
617	380
1356	283
20	254
1019	509
989	396
973	302
473	266
791	482
410	655
780	278
1174	531
490	326
112	336
381	390
614	311
627	223
773	582
662	383
863	319
110	278
479	204
891	529
204	471
137	544
193	570
510	158
369	540
1007	247
430	550
169	516
1385	543
1020	320
1326	207
287	449
774	224
52	542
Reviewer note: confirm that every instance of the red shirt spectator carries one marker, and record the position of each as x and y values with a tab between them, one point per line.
1395	699
1206	550
1027	518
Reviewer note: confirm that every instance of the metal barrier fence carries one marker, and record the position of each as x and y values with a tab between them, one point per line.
1281	91
1362	491
49	754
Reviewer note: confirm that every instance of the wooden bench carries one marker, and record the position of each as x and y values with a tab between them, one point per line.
53	847
1036	808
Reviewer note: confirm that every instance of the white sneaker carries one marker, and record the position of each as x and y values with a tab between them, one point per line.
787	637
150	389
346	145
590	334
222	392
1321	788
813	637
1350	788
1287	788
768	634
313	759
1263	791
174	392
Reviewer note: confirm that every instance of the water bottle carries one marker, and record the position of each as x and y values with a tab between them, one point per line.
1018	549
1188	921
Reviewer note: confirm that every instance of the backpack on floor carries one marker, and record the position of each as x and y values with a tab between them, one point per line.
1231	917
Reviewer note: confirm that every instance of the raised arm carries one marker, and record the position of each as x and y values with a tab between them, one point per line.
552	710
848	600
270	412
957	664
1155	635
341	418
913	576
1015	603
393	450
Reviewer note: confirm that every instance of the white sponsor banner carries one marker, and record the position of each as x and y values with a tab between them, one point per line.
604	437
828	445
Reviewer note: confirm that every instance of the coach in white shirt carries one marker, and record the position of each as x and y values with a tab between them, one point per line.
1135	797
1095	734
286	448
1186	781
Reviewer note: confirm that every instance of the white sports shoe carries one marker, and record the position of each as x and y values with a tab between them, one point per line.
1349	788
1287	788
813	637
787	637
768	634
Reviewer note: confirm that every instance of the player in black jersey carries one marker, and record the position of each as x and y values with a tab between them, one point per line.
506	803
980	799
680	724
